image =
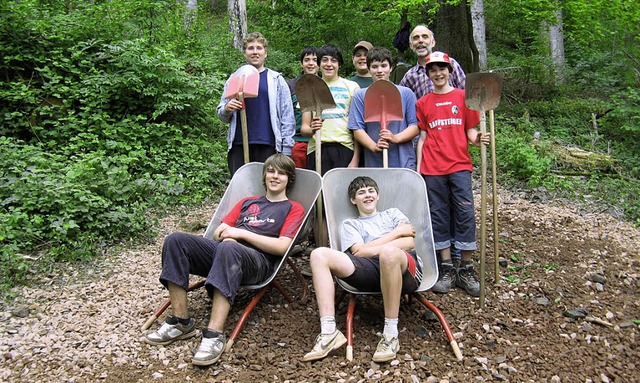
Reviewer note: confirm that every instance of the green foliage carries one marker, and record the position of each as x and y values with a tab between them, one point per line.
108	113
625	112
293	24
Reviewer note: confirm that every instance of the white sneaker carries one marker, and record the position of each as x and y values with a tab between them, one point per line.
210	349
386	350
324	345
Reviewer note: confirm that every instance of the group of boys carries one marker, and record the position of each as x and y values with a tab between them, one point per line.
377	247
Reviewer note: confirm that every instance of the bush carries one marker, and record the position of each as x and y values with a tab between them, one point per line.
106	117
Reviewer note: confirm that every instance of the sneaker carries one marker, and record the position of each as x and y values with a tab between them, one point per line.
210	349
446	279
324	345
170	331
386	350
468	281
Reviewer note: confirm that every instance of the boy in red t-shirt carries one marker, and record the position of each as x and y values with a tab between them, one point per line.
446	127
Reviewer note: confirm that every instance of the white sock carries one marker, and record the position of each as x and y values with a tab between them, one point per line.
327	325
390	328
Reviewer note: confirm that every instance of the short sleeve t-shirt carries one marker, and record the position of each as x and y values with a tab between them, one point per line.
367	229
272	219
334	127
445	118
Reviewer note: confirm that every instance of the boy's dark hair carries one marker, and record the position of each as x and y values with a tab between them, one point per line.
361	182
379	54
310	50
439	65
330	50
281	163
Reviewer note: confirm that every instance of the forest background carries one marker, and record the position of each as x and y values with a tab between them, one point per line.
108	107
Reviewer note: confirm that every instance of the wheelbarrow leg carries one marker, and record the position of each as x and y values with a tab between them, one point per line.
443	322
350	310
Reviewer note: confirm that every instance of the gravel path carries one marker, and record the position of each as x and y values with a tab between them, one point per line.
82	324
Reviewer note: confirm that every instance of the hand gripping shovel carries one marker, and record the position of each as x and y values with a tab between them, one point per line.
314	96
482	93
244	83
383	103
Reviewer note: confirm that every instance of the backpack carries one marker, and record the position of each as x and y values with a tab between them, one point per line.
401	39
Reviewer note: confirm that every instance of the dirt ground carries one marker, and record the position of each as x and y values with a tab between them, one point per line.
82	324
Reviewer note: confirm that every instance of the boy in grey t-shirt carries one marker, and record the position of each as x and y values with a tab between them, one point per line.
377	255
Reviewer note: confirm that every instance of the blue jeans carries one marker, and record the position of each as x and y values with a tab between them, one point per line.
451	200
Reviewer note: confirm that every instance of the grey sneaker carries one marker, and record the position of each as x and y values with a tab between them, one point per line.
468	281
324	345
446	279
170	331
210	349
386	350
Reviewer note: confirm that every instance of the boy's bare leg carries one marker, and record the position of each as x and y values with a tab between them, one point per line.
467	255
393	262
219	310
445	255
325	264
178	297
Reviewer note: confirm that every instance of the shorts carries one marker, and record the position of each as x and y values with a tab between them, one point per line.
366	277
299	154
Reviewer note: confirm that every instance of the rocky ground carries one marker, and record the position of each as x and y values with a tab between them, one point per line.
563	310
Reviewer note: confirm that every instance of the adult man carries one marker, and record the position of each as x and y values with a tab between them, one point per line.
266	135
244	250
397	138
339	149
377	255
417	79
309	64
359	58
422	42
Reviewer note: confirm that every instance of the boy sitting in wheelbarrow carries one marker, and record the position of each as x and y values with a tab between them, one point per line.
446	127
377	255
245	250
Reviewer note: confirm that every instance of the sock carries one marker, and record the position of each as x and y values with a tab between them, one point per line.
447	264
184	321
465	263
210	333
327	324
390	328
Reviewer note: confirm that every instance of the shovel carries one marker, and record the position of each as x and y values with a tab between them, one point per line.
482	93
383	103
314	96
244	83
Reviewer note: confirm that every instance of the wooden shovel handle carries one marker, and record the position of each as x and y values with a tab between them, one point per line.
483	208
385	152
245	130
494	179
319	206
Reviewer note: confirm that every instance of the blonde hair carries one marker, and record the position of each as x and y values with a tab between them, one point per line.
255	36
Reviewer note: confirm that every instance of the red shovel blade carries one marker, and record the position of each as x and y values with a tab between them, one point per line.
382	103
246	80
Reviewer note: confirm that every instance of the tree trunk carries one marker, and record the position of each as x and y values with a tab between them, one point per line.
191	13
454	34
237	10
479	32
556	41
